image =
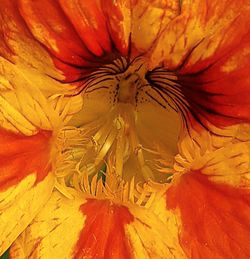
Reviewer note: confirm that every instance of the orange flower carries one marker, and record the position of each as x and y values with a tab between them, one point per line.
124	130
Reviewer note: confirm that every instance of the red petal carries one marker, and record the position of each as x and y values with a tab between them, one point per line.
50	26
73	32
119	22
89	21
208	46
104	234
218	83
215	218
25	181
21	155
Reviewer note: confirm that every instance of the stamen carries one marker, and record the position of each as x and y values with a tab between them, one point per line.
112	140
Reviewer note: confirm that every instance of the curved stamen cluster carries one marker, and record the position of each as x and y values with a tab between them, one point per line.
113	145
75	173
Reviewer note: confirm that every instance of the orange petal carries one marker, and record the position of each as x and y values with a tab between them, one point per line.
215	217
18	45
208	46
57	29
100	229
129	22
104	232
89	21
25	181
118	15
50	26
16	150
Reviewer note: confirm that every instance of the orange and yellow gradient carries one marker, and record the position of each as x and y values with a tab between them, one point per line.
125	129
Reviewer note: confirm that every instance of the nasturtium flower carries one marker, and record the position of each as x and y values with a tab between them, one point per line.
125	129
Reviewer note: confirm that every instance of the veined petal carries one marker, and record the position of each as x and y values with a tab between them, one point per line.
75	34
208	46
26	109
89	21
51	27
100	229
227	163
83	35
25	181
198	22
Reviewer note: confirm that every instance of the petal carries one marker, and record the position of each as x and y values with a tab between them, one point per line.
89	21
212	199
19	47
118	15
25	181
225	160
56	226
215	217
75	34
129	22
101	229
198	22
26	108
51	27
149	20
81	36
208	46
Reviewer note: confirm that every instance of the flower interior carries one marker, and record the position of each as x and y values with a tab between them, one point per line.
128	126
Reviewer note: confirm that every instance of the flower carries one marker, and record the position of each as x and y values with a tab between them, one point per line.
123	130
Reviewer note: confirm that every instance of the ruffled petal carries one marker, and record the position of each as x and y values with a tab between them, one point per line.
25	181
100	229
208	46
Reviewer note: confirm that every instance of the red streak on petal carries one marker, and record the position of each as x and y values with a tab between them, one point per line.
116	25
74	33
22	155
54	29
215	218
217	87
89	21
103	235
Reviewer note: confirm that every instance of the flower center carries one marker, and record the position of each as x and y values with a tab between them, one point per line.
127	128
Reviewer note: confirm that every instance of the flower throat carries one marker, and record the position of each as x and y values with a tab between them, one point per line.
131	131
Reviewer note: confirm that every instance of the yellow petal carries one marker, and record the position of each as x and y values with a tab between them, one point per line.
54	232
19	205
27	106
201	30
223	160
25	181
149	20
93	228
